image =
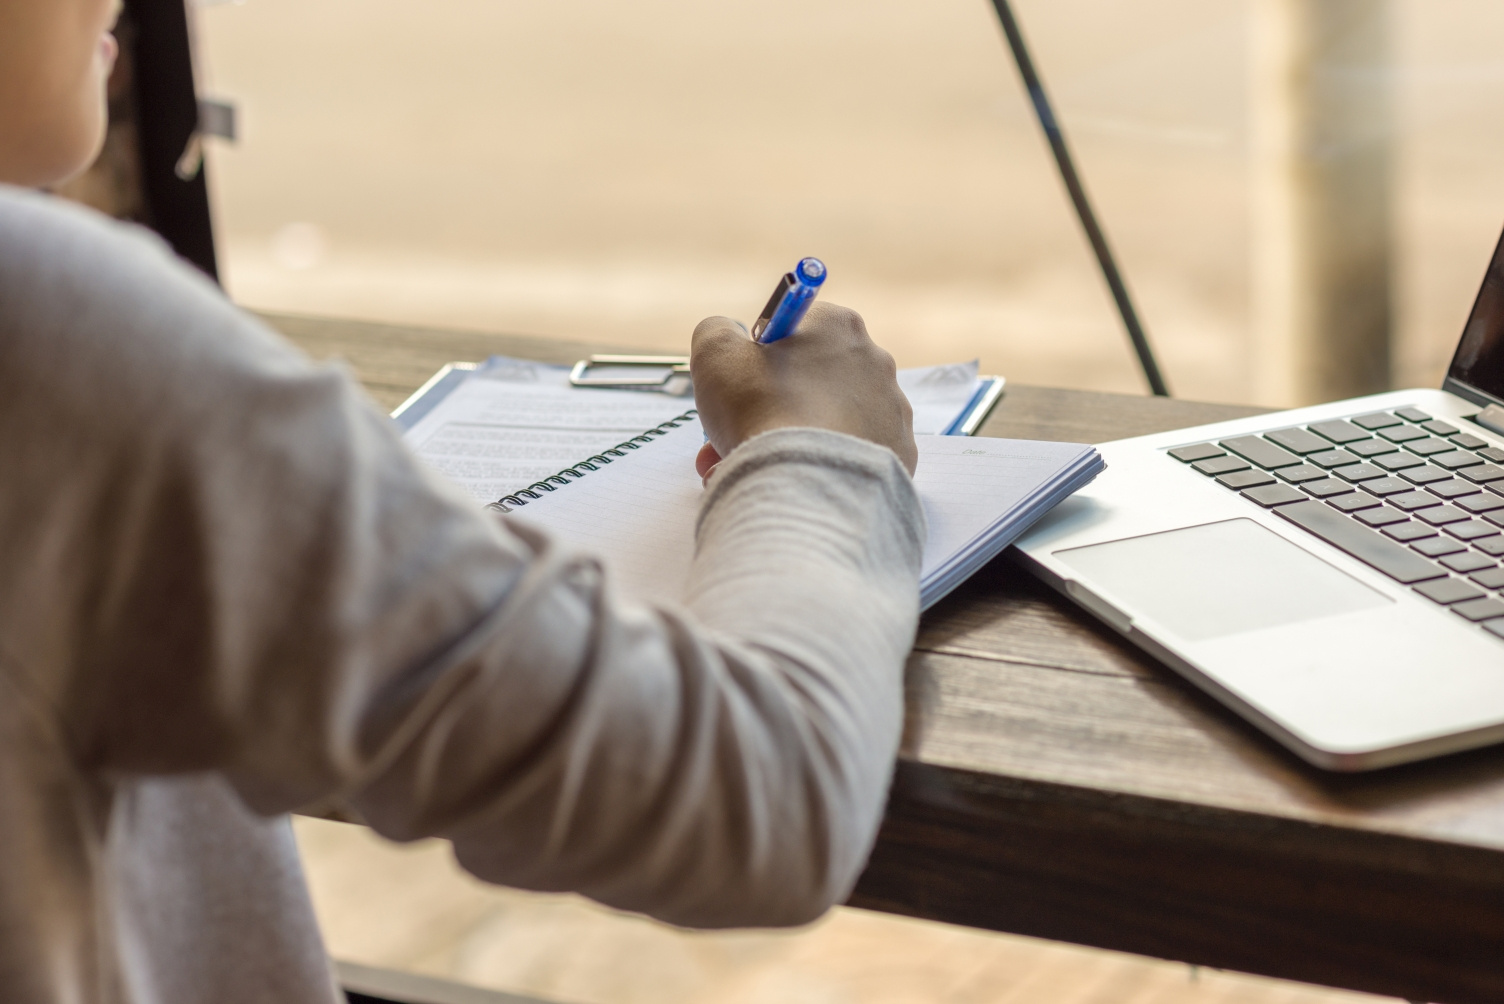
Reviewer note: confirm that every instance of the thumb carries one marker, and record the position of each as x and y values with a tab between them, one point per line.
706	461
726	366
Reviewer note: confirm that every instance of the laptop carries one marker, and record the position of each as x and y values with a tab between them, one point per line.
1334	574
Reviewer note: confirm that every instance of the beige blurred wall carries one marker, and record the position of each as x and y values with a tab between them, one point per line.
615	171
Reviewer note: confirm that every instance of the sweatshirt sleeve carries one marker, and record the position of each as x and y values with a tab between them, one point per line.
222	558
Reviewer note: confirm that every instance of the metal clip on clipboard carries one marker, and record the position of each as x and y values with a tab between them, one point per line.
669	374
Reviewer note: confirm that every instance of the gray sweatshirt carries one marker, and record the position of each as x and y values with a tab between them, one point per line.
229	591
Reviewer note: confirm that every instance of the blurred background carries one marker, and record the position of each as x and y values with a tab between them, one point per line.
614	171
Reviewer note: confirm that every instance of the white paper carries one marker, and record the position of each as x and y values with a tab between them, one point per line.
639	513
513	423
938	393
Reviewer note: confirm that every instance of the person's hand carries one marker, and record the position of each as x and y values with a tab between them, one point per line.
827	375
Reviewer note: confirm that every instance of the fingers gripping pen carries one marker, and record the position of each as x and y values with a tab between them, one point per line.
795	292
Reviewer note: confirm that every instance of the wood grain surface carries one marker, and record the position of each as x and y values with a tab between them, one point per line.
1055	782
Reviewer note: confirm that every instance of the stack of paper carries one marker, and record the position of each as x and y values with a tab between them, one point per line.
980	495
508	423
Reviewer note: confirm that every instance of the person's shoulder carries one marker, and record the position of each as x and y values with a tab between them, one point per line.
33	222
57	258
54	252
111	304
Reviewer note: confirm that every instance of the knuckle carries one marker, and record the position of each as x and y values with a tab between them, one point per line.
836	318
848	319
718	325
712	333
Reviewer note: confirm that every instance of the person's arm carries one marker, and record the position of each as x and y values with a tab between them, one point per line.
724	764
223	559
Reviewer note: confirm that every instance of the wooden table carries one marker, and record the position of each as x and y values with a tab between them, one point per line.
1055	782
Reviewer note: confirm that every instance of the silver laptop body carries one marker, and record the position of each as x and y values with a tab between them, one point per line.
1335	574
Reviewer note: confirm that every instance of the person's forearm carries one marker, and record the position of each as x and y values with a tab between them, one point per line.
817	568
729	767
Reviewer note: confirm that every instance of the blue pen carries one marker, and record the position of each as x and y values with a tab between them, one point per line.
795	292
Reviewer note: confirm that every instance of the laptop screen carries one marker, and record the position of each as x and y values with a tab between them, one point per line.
1479	362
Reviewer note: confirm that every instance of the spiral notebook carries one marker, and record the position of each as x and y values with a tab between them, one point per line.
636	504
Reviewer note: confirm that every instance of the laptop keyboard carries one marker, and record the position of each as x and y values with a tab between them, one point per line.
1414	497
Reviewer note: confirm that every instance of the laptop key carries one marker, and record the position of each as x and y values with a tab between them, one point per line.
1454	459
1408	531
1437	547
1353	502
1468	441
1481	502
1413	500
1471	530
1221	465
1452	488
1260	451
1403	433
1480	609
1327	487
1449	590
1338	431
1492	453
1191	454
1384	487
1483	473
1382	516
1333	458
1394	560
1372	447
1253	479
1273	495
1495	627
1489	578
1425	475
1429	446
1298	440
1376	420
1468	561
1437	427
1491	546
1359	472
1301	473
1412	414
1442	515
1397	461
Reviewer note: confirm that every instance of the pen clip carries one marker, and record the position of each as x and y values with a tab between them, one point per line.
779	292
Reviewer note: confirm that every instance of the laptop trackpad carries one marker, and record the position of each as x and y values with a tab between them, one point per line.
1218	579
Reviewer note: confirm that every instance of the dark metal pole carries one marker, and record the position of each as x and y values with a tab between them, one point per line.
1078	197
167	116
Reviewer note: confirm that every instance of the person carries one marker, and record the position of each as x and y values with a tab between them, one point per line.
230	592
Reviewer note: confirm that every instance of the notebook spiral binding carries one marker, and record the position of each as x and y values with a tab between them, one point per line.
569	475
